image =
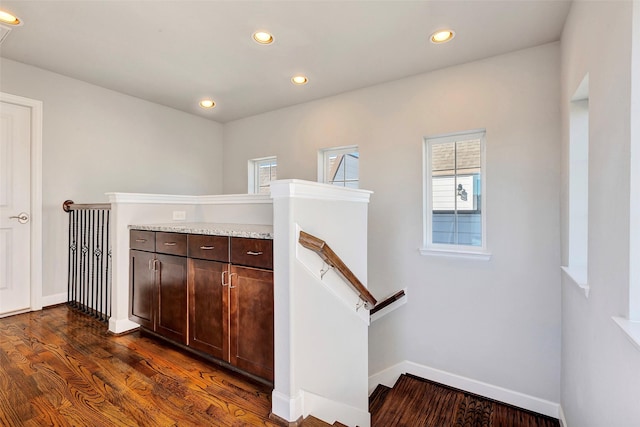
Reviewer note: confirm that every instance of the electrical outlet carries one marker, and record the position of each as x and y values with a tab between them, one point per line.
179	215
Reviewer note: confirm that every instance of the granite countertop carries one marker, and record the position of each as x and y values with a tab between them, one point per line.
255	231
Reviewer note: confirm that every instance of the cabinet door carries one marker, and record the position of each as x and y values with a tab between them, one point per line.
208	308
142	295
171	276
251	320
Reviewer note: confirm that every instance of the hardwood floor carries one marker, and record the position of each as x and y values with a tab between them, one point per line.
62	368
59	367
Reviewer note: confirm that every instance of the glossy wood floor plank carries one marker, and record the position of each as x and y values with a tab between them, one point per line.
62	368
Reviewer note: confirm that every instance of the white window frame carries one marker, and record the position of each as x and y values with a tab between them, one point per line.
323	157
578	194
439	249
253	168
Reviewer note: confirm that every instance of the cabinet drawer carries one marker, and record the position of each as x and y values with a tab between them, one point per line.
142	240
252	252
214	248
171	243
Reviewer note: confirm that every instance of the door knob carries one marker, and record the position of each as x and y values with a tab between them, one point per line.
22	217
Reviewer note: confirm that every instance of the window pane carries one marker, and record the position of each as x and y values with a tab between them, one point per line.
455	192
265	171
342	167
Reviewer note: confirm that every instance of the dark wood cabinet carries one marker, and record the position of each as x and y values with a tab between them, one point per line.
251	320
158	286
142	295
171	277
208	308
212	293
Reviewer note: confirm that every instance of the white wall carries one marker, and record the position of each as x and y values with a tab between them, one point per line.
498	321
97	141
600	367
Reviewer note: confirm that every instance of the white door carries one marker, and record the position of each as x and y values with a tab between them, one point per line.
15	209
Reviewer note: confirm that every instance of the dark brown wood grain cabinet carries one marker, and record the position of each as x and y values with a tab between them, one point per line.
171	276
142	295
208	308
158	283
251	320
212	293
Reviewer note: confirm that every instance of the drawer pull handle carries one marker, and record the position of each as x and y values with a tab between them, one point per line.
170	243
254	253
141	240
207	248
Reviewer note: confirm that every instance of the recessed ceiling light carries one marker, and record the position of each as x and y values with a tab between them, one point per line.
207	103
262	37
442	36
10	19
299	80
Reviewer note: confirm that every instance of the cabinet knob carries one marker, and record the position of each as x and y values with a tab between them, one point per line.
170	243
207	248
254	253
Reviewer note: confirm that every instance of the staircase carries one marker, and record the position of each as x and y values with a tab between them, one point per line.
416	402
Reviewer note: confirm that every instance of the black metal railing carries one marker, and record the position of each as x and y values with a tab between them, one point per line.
89	281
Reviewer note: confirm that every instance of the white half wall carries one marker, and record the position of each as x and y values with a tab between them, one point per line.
321	340
96	141
141	209
497	321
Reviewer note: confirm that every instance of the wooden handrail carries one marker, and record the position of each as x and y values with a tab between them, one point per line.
69	206
332	259
388	301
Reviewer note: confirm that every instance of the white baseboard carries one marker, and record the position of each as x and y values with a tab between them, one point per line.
331	411
390	375
563	420
119	326
289	409
49	300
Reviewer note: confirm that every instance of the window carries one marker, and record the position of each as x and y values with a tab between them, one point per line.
261	173
576	266
339	166
454	203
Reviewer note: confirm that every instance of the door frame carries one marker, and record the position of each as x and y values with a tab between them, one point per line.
35	107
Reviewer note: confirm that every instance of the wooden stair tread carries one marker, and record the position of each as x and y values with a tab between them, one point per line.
377	398
312	421
414	401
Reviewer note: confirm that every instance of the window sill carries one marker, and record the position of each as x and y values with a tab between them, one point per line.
579	278
451	253
630	328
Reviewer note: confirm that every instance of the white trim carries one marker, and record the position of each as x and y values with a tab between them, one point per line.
390	375
331	411
222	199
36	193
119	326
578	277
562	418
287	409
630	328
295	188
390	308
428	247
49	300
467	254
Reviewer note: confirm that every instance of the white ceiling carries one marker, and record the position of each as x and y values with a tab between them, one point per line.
176	52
